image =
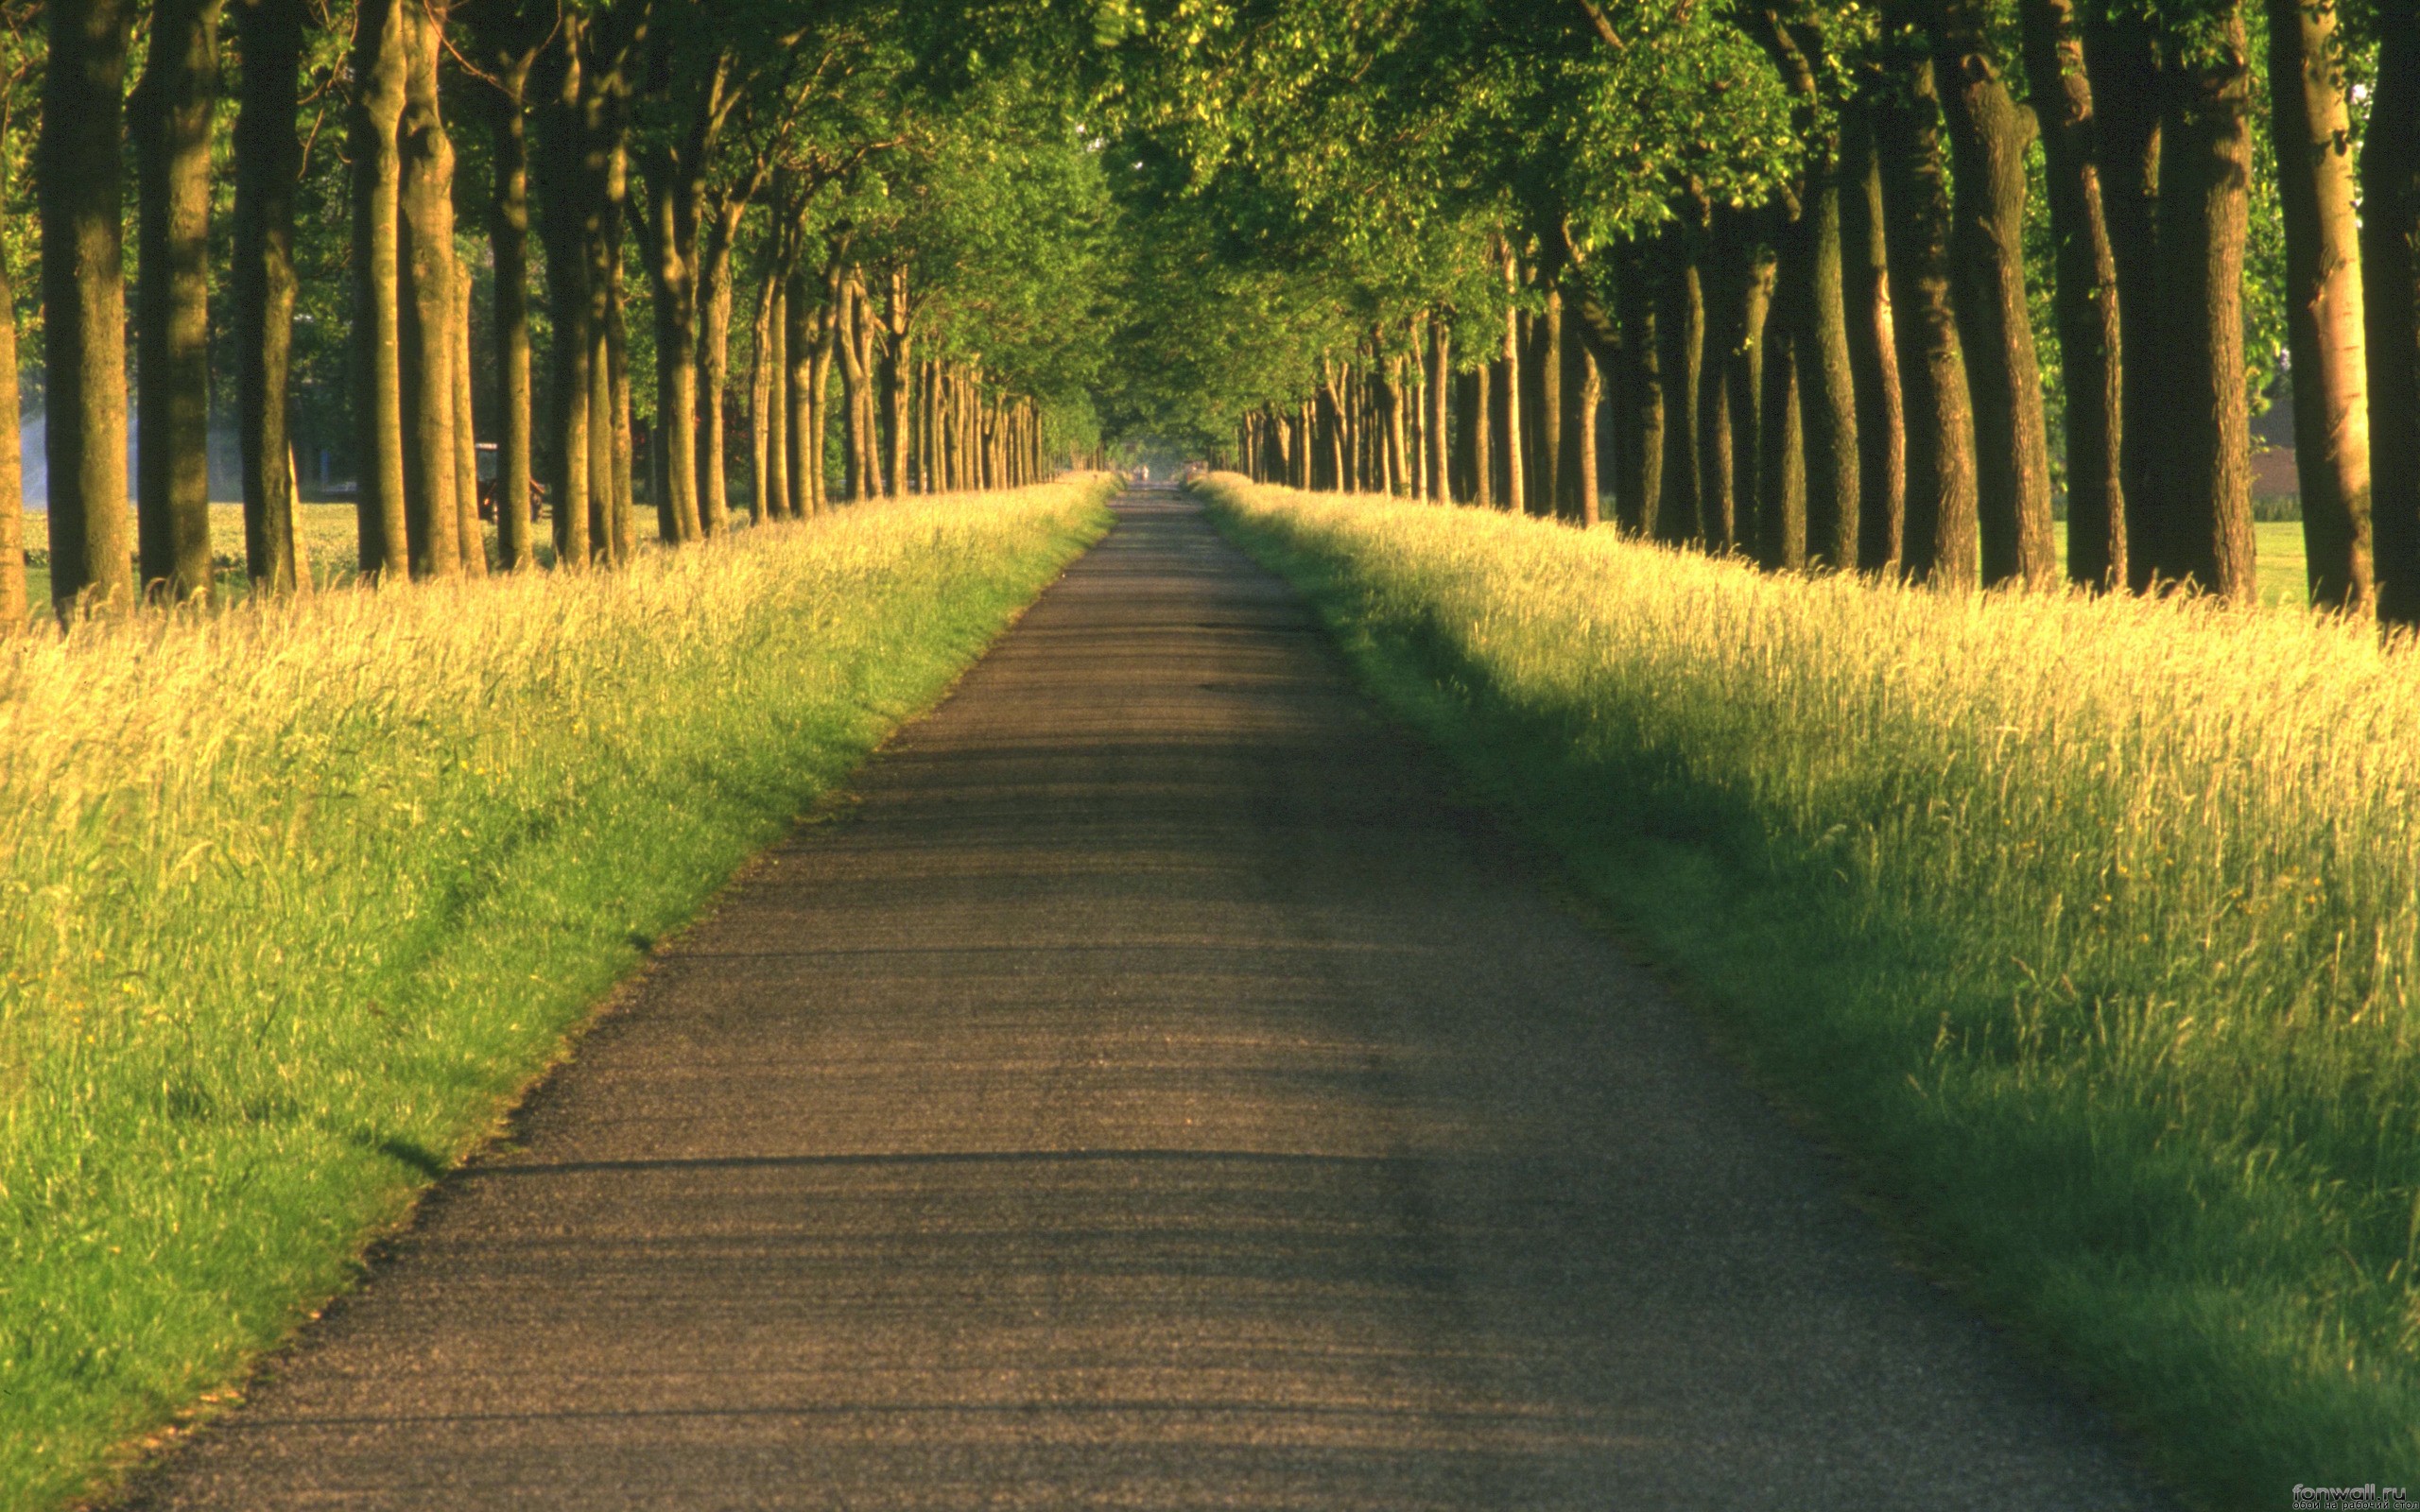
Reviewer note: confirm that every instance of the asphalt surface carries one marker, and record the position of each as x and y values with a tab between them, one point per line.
1153	1092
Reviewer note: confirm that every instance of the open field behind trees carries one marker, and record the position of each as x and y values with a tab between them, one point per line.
2087	927
295	899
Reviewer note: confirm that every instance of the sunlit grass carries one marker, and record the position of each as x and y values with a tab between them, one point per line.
2088	926
294	897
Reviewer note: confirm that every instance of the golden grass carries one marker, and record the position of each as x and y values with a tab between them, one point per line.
2091	923
295	896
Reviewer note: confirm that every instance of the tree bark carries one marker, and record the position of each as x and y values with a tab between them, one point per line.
1988	135
509	243
15	611
1584	389
171	112
1874	362
1549	497
268	164
2122	64
1639	407
1681	323
425	258
897	363
1780	541
772	358
2205	425
380	66
1743	377
468	533
567	223
1509	391
1939	545
1728	288
2313	132
2085	295
2391	290
1441	371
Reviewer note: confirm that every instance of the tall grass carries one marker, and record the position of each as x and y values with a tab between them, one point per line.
294	899
2087	927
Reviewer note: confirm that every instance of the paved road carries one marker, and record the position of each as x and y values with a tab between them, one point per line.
1155	1094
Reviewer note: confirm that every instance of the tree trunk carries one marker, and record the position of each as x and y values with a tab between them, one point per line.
380	66
425	258
844	319
1874	364
2205	423
1725	281
567	223
1584	389
1781	415
2314	140
2122	64
1549	497
14	609
771	400
1509	394
670	234
1743	378
1482	390
1639	407
171	112
1988	137
713	369
468	533
1939	544
1680	321
2391	290
268	164
1827	390
2085	295
1441	375
896	365
509	242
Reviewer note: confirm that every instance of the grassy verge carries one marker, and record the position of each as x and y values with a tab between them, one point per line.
295	899
2087	928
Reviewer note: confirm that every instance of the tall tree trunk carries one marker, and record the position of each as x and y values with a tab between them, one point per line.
171	112
773	430
1781	411
669	238
2391	290
1827	388
1725	279
714	368
1681	323
853	459
425	259
612	400
14	609
2085	295
2313	132
1988	135
811	304
2205	425
2122	63
468	533
1939	544
1638	421
381	62
896	367
509	242
1874	362
1585	391
1441	375
1549	497
569	208
268	164
1743	377
1513	465
1482	428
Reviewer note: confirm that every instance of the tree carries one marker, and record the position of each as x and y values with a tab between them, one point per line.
172	109
84	302
381	66
268	163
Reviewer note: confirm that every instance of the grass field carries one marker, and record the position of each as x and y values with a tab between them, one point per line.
295	899
2088	929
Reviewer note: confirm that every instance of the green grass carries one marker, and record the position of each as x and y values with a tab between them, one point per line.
296	898
2277	556
2088	929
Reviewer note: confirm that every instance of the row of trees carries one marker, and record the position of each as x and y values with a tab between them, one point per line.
1857	283
844	159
